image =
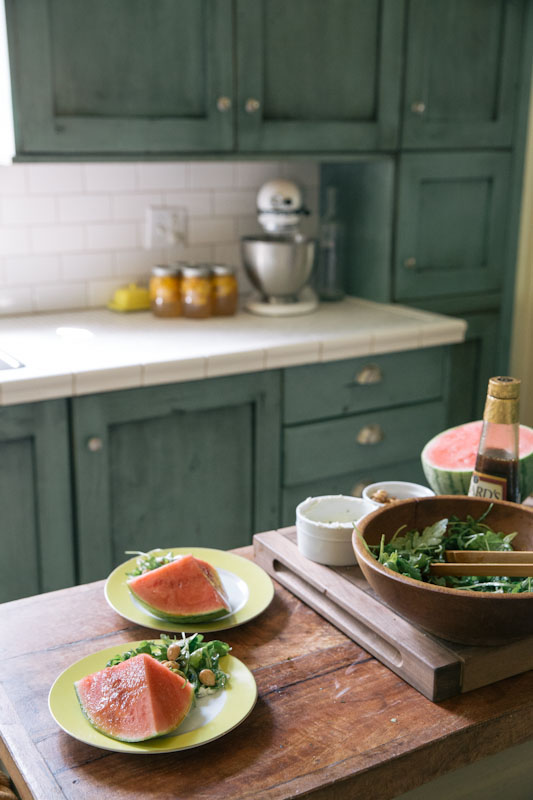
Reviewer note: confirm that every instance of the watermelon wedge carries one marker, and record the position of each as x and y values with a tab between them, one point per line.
448	459
186	590
135	700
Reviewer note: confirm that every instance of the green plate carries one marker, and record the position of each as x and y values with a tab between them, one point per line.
212	717
250	591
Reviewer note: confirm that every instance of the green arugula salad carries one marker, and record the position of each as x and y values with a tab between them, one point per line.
190	657
410	553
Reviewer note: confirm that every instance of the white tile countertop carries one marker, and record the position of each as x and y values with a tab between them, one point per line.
83	352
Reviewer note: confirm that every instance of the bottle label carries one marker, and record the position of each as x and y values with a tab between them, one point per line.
490	487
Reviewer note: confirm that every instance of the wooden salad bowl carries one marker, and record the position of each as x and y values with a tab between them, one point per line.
464	616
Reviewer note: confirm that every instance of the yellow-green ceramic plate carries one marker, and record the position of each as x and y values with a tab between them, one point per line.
250	590
212	717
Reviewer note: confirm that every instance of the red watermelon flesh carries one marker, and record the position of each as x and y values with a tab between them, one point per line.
186	590
135	700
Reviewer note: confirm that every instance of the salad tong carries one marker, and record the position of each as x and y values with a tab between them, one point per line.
508	563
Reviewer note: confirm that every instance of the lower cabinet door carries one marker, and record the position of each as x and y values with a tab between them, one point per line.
35	500
192	464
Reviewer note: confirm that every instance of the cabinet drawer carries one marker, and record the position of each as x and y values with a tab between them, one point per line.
351	483
361	441
361	384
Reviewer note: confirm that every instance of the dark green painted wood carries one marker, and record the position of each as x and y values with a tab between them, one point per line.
451	220
183	464
473	362
326	74
365	191
120	76
319	449
36	519
321	391
462	64
351	483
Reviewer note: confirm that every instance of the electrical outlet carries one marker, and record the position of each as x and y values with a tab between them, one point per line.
166	226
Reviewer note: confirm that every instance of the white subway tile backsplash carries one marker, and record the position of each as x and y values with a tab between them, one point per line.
133	206
71	234
163	176
13	180
14	241
84	208
56	238
83	266
212	175
15	300
111	236
27	210
110	177
54	178
27	270
63	295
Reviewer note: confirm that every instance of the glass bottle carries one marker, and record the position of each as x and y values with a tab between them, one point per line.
495	475
196	292
225	290
330	275
165	300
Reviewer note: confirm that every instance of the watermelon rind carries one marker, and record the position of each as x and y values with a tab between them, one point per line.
457	481
193	618
131	739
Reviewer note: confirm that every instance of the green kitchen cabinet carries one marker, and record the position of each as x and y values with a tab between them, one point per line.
36	521
192	464
461	73
318	75
126	78
450	223
119	77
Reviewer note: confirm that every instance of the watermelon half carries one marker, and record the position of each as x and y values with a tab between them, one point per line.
448	459
186	590
135	700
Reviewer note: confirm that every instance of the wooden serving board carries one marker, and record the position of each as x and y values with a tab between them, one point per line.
436	668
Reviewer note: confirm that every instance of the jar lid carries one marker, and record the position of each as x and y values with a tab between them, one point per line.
164	270
222	269
196	271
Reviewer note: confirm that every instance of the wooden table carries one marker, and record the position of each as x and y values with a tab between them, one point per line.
330	721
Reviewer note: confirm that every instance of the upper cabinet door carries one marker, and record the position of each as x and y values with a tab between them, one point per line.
318	75
121	76
462	62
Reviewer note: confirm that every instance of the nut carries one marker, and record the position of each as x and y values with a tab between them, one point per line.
173	665
207	677
173	651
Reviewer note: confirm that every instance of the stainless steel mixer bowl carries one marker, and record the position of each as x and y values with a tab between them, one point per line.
279	266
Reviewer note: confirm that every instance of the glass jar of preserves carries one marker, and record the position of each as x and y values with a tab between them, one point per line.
196	292
165	294
224	290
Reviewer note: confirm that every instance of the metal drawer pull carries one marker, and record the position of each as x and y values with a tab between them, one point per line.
94	444
252	105
370	373
418	107
410	263
224	103
371	434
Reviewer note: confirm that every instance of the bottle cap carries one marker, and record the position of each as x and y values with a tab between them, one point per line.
504	388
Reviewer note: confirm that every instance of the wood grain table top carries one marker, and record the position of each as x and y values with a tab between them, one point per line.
330	721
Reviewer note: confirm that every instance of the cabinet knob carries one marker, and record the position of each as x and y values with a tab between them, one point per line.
370	434
418	107
370	373
252	105
94	444
410	263
224	103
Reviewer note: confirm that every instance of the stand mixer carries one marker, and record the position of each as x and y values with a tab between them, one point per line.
279	263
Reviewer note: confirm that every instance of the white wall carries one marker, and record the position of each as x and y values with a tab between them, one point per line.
70	234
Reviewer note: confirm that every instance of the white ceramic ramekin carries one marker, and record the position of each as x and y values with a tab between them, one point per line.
401	490
324	527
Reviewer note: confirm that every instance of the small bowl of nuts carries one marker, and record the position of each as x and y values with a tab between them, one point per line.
383	493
